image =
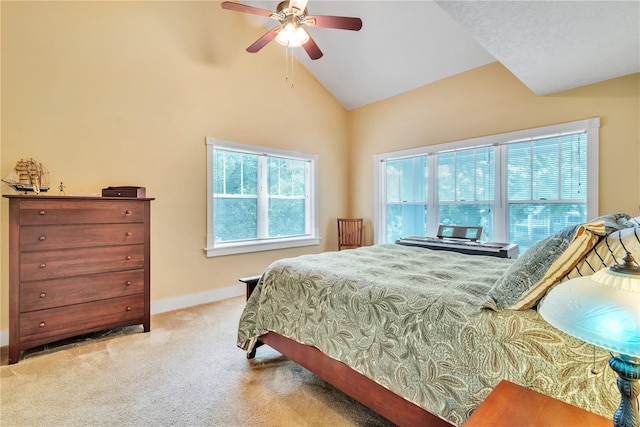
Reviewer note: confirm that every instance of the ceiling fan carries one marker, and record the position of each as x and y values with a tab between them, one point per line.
293	17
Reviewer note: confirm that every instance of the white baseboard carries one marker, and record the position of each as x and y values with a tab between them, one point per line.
175	303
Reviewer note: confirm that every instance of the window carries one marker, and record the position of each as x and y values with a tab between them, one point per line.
406	208
466	187
520	187
546	186
259	198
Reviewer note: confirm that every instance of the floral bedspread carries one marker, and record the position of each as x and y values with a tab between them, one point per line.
410	319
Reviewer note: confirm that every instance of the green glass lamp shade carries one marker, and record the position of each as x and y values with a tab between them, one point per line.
603	309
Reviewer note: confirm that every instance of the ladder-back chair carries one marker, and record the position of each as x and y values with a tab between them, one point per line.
350	233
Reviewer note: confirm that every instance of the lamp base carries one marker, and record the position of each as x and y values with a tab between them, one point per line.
628	370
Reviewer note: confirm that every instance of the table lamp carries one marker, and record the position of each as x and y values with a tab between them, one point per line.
604	310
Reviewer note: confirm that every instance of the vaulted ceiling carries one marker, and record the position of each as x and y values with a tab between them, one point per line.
550	46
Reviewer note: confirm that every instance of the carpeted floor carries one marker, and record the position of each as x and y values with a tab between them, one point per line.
186	372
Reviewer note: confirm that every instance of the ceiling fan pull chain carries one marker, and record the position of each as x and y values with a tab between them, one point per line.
288	61
291	59
286	65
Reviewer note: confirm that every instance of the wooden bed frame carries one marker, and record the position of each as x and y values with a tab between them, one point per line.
366	391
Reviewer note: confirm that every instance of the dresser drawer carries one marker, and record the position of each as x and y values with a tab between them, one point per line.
45	237
79	319
46	265
74	290
50	211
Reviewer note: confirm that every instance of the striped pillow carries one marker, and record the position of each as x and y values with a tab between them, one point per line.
610	250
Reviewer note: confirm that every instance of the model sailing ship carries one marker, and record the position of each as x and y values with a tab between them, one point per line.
28	175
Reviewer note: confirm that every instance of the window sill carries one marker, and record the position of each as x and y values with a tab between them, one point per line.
258	246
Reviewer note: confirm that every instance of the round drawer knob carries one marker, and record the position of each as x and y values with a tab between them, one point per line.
128	233
128	308
42	212
43	294
42	324
43	265
42	238
128	257
127	212
128	283
119	193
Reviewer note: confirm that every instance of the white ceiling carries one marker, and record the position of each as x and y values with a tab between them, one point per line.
548	45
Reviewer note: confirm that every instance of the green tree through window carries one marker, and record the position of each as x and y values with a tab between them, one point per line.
236	195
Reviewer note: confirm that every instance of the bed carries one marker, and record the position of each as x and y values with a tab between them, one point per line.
423	336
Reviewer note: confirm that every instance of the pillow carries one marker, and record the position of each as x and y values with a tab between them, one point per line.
529	277
616	221
545	263
610	250
633	222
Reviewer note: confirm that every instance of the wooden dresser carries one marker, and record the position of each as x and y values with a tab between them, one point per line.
76	265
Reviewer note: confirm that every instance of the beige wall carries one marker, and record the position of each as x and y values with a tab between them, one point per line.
124	93
490	100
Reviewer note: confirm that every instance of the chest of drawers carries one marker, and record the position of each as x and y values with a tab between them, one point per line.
76	265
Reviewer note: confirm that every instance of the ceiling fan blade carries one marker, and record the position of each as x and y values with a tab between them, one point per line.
338	22
312	49
262	41
237	7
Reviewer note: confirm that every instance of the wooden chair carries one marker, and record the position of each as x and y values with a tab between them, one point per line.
350	233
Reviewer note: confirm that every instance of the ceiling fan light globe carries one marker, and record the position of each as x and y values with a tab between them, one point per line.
292	36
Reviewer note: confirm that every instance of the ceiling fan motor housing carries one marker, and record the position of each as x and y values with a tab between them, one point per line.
284	10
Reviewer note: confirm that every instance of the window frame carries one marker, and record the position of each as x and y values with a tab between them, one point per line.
214	248
501	204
